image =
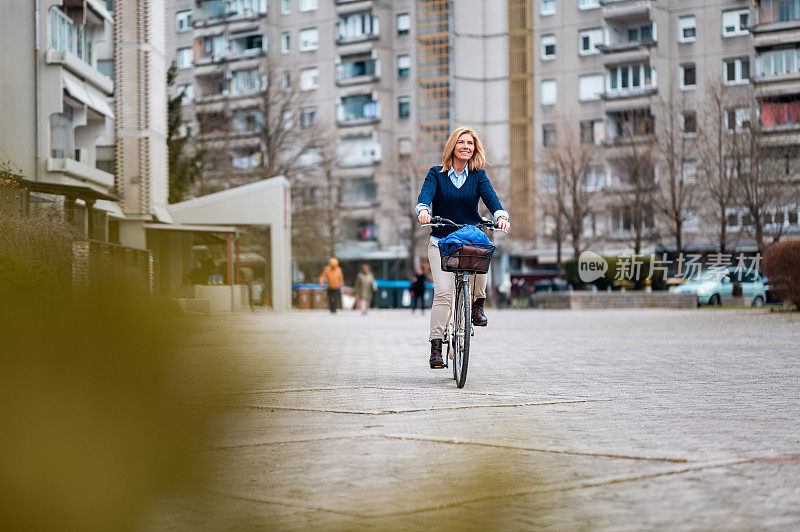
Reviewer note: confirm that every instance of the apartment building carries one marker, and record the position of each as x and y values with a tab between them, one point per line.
608	74
776	37
353	65
386	81
57	127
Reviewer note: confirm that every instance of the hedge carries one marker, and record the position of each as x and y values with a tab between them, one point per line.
781	265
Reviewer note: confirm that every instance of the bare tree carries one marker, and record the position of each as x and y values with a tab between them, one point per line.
674	197
717	131
635	164
570	161
763	173
409	183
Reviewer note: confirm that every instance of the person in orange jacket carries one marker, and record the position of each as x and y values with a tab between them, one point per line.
333	278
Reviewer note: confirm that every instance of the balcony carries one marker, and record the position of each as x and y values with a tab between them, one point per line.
80	171
624	82
355	71
358	110
776	15
621	9
781	115
358	152
630	126
80	68
357	27
212	12
777	71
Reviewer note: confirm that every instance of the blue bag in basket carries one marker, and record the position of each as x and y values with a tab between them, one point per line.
467	248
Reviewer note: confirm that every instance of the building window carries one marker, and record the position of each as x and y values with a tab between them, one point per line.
106	67
245	81
403	107
183	21
595	177
309	39
689	122
589	40
549	90
590	87
687	29
547	7
286	43
737	22
588	4
357	107
187	89
587	131
737	118
737	70
247	120
403	23
185	58
548	135
550	182
403	66
688	76
309	117
308	5
286	7
640	33
775	62
548	46
625	77
309	78
357	27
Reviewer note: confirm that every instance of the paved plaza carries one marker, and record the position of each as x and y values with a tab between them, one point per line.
611	419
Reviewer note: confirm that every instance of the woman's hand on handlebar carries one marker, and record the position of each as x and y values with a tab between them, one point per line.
424	217
503	224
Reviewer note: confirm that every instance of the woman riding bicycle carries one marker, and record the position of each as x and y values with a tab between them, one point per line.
452	191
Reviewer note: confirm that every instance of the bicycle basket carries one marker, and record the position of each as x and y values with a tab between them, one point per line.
467	258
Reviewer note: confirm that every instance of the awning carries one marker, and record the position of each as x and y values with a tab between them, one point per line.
112	208
195	228
75	191
86	94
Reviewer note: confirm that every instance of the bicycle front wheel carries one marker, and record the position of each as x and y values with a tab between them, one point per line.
462	332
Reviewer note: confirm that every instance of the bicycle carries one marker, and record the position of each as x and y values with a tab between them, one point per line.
459	324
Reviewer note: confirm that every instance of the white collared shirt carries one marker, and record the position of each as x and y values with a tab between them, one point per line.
458	181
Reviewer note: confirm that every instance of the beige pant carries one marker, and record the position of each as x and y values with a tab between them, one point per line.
443	283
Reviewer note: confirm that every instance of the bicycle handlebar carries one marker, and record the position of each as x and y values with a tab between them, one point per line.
438	221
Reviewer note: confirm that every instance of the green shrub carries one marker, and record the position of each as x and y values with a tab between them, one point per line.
781	265
615	263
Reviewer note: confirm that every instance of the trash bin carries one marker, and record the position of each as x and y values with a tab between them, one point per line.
384	295
319	298
304	298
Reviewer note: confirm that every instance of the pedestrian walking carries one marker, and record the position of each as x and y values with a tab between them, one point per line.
365	288
418	291
332	277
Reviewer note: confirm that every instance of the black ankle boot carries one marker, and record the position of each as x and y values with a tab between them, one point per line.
478	317
436	354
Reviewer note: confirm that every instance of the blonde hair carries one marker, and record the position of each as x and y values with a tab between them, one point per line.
478	159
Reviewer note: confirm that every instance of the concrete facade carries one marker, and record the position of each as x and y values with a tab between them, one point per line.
360	62
620	65
55	105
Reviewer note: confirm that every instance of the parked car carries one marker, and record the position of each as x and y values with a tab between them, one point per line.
551	285
711	287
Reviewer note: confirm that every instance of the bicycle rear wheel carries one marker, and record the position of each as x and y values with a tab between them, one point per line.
461	333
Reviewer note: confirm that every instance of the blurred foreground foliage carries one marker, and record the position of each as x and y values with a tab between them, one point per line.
90	436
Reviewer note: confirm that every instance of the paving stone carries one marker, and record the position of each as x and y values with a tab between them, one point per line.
583	419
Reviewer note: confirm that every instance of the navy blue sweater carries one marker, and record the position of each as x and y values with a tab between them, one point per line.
457	204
